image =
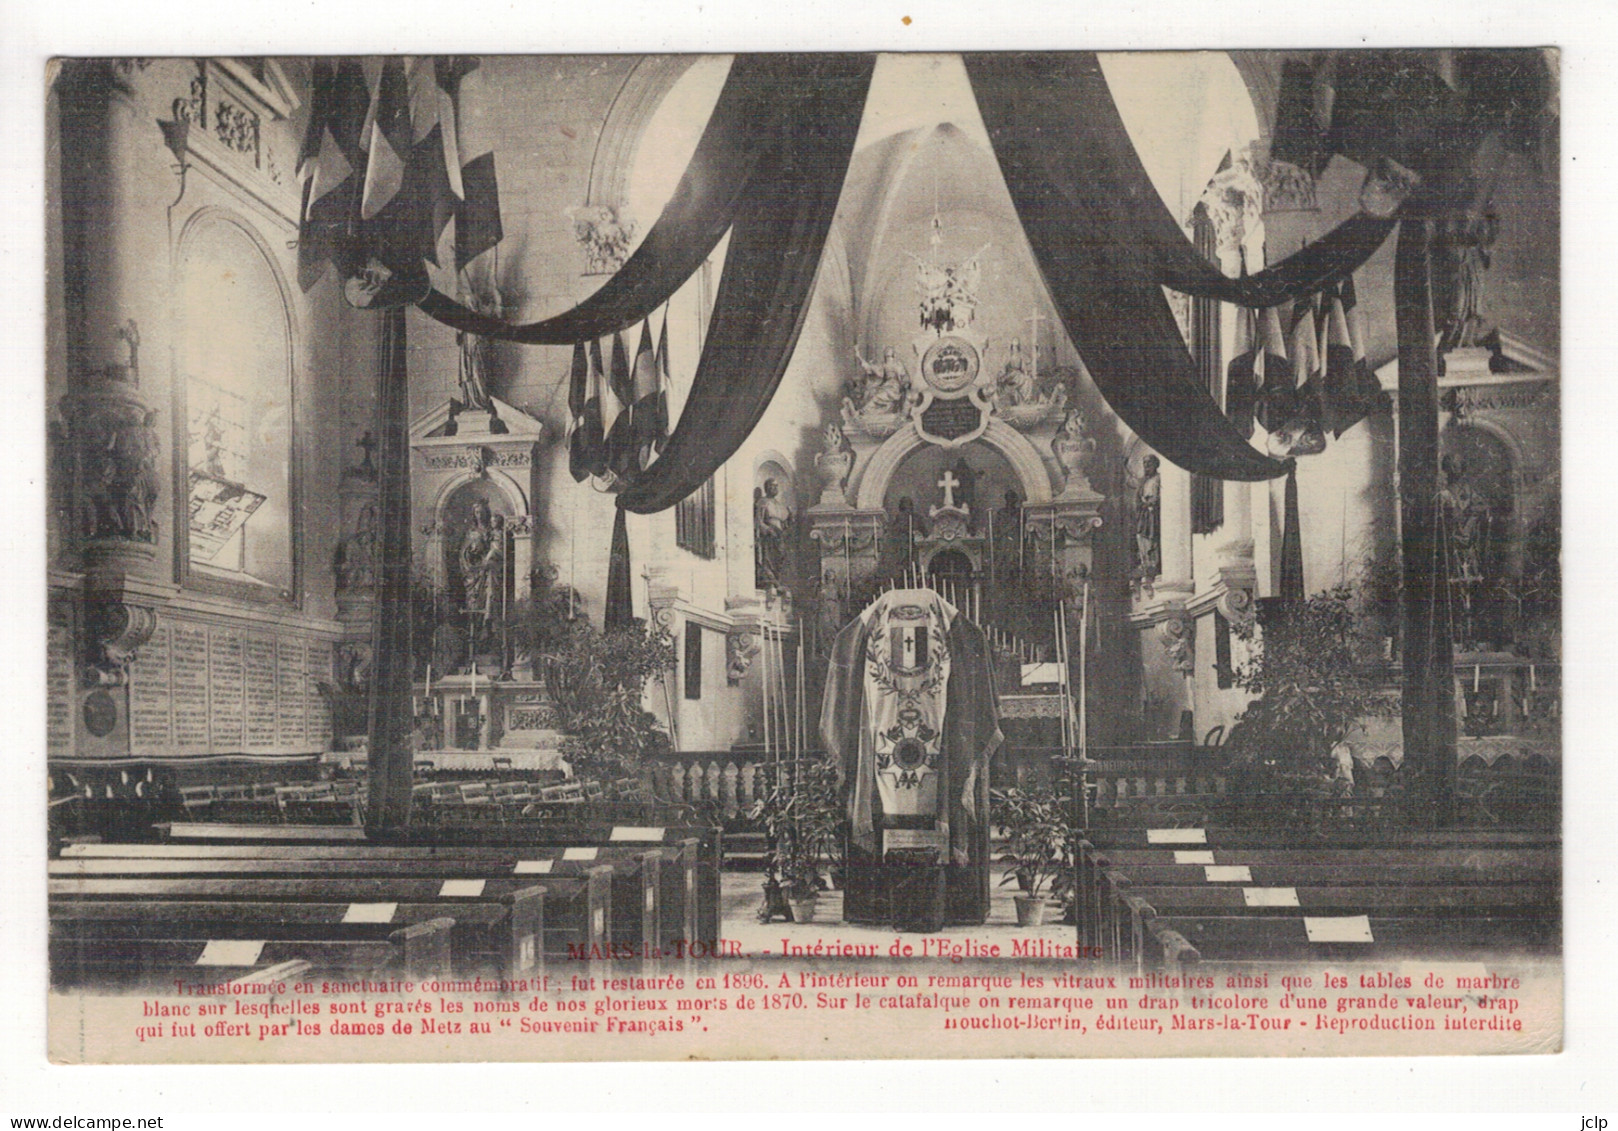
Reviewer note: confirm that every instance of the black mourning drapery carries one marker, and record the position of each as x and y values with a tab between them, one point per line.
769	168
1105	244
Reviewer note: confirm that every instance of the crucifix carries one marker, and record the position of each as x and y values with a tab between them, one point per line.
1033	321
948	482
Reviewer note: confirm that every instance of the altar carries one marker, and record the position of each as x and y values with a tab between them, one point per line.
473	722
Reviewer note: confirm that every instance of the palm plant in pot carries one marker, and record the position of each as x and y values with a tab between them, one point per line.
800	816
1038	852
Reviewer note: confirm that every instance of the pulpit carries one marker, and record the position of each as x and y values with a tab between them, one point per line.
911	721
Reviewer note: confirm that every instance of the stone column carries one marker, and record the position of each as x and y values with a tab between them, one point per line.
1176	531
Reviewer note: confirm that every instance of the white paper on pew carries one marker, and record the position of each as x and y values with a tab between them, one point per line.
531	866
635	832
231	952
1270	897
1192	856
579	853
1227	873
462	887
1176	836
1338	928
651	899
599	921
370	912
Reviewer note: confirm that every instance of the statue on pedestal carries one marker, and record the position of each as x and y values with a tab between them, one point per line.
483	556
771	516
1149	521
886	390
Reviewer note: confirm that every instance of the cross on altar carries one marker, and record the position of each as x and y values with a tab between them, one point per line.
948	482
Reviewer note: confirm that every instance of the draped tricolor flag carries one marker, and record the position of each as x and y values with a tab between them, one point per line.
646	385
1351	390
578	395
617	414
588	449
395	149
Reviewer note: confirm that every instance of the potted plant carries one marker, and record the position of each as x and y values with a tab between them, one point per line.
597	682
1039	849
800	816
1311	674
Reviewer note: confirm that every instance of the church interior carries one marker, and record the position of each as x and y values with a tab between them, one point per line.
777	497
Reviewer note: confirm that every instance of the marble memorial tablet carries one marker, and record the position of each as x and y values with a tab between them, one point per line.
151	729
227	696
289	705
188	651
59	669
258	664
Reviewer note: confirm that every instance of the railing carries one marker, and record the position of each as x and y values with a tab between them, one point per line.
723	786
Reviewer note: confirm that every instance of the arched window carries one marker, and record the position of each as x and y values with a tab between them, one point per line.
234	391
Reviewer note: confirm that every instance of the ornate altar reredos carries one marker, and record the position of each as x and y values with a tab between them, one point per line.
950	443
472	490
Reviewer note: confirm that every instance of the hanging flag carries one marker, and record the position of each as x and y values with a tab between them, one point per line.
660	406
477	215
645	393
578	395
1305	436
588	452
387	138
1273	374
617	418
394	150
331	165
1352	391
1241	378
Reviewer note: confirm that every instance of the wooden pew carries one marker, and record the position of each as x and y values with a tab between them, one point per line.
648	920
174	949
1453	888
701	881
639	880
501	924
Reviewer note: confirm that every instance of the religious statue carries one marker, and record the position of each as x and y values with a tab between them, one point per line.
135	450
476	353
1015	385
1462	256
834	464
121	479
771	516
828	611
899	537
354	561
887	385
1007	527
1468	516
483	557
1071	446
1149	521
